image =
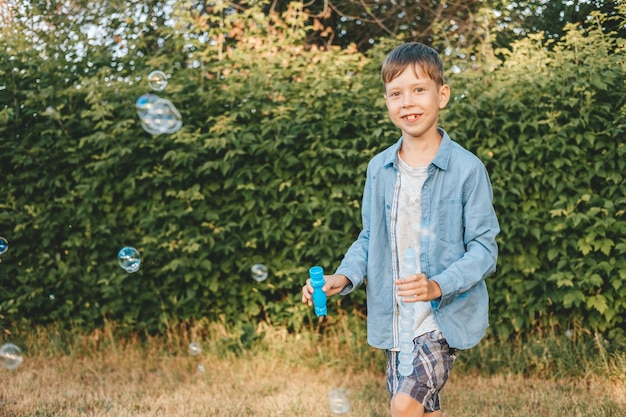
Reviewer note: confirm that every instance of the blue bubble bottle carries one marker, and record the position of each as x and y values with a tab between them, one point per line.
316	274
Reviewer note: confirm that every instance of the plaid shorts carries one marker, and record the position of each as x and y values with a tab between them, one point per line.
432	362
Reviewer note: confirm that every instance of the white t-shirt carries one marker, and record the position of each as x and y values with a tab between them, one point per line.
408	231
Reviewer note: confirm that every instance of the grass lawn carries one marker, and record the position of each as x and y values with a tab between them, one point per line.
287	378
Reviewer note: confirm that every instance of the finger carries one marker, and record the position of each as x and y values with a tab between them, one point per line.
411	278
329	285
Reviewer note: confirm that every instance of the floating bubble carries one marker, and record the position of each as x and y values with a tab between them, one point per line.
173	120
157	80
10	356
163	117
259	272
145	102
201	368
338	401
4	245
158	115
194	349
129	259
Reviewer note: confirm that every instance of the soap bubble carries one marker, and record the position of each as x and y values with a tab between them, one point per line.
163	117
4	245
129	259
259	272
194	349
10	356
145	102
338	401
201	368
158	115
157	80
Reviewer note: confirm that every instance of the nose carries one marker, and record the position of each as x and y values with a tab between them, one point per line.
407	100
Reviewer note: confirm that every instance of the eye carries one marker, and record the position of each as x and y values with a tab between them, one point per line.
393	94
418	90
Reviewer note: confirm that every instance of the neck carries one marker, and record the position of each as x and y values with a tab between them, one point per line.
419	153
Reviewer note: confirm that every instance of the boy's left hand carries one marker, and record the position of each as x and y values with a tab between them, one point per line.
417	287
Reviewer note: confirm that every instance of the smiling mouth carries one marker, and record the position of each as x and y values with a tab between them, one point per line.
411	117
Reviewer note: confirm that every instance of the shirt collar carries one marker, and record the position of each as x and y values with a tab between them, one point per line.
441	160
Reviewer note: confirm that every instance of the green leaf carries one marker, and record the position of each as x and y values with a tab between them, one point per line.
598	302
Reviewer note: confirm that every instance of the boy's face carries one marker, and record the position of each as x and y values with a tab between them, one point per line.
413	101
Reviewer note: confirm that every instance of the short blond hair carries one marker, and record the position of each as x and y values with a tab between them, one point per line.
416	54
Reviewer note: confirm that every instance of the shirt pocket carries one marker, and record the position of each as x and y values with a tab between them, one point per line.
450	215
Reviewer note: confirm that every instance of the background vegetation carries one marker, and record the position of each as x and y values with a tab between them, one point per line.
269	164
157	376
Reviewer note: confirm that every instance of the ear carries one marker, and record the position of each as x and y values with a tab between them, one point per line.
444	95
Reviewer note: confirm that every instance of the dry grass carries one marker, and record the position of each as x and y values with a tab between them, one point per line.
283	378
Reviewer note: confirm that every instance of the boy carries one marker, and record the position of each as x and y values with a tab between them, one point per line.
429	194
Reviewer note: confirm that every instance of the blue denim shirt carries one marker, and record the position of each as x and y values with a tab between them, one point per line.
458	249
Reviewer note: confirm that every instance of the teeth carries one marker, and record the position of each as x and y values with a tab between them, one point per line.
411	117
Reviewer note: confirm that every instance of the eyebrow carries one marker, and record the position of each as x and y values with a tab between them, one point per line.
418	82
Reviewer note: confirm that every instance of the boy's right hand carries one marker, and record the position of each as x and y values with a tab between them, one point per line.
333	284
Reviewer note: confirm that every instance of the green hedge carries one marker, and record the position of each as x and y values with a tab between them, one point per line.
269	168
549	123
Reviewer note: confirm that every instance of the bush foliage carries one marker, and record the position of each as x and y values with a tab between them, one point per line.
269	167
549	124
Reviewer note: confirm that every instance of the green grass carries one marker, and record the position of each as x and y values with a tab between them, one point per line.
257	370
